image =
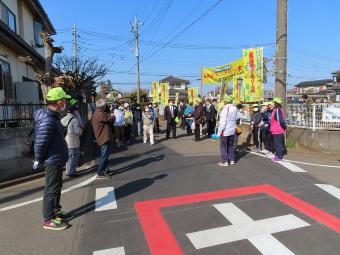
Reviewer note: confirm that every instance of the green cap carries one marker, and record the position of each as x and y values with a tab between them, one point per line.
255	105
265	103
74	101
277	100
57	93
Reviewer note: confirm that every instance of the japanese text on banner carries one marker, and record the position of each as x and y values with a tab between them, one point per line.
192	95
155	92
216	74
164	92
253	74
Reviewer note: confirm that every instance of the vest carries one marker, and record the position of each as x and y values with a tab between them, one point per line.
275	127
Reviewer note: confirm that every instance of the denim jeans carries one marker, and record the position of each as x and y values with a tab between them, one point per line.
104	158
52	192
73	161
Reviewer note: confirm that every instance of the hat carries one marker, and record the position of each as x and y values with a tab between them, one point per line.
126	105
56	94
100	103
277	100
270	103
74	102
255	105
237	102
265	103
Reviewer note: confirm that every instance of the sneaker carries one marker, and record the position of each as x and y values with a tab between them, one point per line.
108	172
232	163
62	216
276	159
223	164
145	142
103	177
55	224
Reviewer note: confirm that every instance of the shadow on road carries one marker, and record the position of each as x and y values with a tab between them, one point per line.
140	163
122	191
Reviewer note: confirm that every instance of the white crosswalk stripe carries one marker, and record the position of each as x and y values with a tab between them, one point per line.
113	251
105	199
332	190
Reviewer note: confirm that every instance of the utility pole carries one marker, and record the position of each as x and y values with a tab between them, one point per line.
75	48
135	29
281	52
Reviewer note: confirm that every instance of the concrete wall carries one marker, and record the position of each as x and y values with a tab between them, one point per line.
323	140
12	142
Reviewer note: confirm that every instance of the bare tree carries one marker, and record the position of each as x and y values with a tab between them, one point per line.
80	77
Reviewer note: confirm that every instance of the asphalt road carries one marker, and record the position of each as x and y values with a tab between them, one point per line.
196	207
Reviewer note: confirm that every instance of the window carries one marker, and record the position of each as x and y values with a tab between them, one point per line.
6	79
8	17
38	28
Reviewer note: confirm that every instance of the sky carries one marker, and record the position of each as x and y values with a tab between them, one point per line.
178	37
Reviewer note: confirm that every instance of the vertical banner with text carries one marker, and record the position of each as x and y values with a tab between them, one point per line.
155	92
192	95
176	98
253	74
164	92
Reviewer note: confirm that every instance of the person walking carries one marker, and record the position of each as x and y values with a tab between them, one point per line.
137	120
255	126
73	132
181	110
148	123
226	130
119	124
128	120
264	128
50	150
171	112
102	128
210	116
278	128
198	119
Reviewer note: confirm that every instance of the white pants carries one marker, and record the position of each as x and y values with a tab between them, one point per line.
148	130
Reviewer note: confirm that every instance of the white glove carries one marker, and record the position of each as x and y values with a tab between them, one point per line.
36	165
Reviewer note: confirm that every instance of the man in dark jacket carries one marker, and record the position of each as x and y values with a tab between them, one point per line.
181	110
198	118
102	128
210	116
255	122
171	112
51	151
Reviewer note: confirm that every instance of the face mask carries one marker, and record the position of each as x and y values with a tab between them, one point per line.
170	104
146	109
121	108
256	109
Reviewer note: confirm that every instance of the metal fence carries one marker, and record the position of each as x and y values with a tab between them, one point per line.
18	115
22	115
314	116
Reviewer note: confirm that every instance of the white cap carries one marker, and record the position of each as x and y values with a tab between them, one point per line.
126	105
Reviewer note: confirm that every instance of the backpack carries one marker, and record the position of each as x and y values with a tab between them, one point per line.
66	128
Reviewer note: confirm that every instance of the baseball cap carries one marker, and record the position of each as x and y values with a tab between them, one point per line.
255	105
277	100
57	93
74	101
265	103
228	98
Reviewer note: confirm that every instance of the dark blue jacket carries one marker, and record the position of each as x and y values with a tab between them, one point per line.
266	120
50	146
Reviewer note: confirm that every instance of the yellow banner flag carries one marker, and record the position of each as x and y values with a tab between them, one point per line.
155	92
192	95
176	98
164	92
223	89
216	74
253	74
238	88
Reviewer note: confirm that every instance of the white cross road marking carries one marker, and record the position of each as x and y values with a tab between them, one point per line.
105	199
243	227
113	251
334	191
290	166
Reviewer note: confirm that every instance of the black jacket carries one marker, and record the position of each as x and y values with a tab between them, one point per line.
50	146
210	113
256	118
168	117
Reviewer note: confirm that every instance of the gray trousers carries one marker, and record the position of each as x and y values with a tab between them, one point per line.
227	148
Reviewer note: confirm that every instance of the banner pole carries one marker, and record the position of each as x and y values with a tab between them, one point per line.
201	82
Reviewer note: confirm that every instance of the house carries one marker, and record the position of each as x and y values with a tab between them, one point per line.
21	22
317	90
114	95
177	85
336	87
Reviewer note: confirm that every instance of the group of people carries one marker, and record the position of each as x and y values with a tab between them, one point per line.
57	140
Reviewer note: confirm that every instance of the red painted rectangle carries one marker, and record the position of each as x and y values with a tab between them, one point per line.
161	240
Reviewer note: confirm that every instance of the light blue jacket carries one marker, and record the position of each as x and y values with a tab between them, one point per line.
120	118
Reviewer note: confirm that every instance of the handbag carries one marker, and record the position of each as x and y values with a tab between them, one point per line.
238	130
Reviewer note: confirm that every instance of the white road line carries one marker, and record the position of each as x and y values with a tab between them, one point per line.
334	191
291	167
245	228
77	186
105	199
113	251
269	245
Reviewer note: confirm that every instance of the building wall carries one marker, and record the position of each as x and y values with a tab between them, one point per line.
18	69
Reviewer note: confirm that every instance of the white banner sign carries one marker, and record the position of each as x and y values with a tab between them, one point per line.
331	115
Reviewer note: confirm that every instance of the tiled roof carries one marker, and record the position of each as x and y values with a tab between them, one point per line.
313	83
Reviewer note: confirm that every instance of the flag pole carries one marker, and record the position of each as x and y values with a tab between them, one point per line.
201	82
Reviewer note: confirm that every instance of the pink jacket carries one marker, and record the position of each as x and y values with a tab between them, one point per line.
275	126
